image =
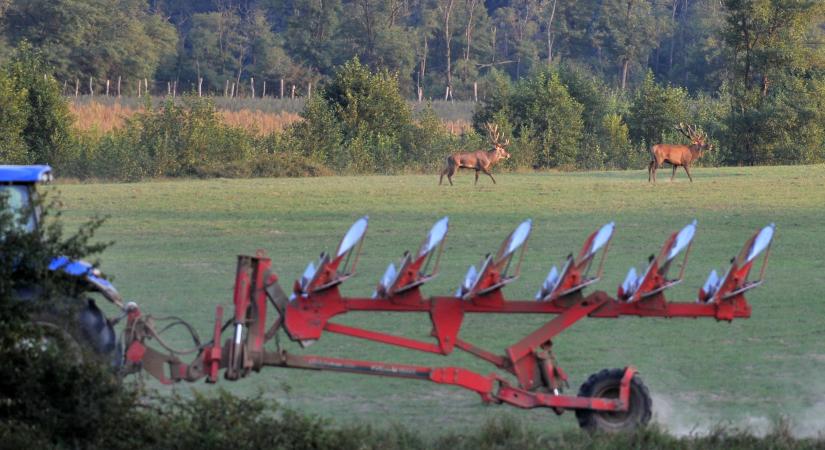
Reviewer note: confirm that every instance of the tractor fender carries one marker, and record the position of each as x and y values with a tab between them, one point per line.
99	332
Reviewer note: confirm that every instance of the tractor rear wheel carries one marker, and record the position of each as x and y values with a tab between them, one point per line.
79	328
606	384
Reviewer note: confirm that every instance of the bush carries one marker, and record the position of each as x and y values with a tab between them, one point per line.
656	110
360	123
541	110
37	122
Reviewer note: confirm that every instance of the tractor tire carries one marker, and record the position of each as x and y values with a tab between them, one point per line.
83	332
606	384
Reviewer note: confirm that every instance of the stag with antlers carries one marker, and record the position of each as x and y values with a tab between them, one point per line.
679	155
479	160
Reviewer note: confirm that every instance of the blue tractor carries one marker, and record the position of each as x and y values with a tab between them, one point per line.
74	319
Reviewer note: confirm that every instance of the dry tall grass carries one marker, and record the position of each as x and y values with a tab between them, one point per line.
258	121
458	127
95	116
100	117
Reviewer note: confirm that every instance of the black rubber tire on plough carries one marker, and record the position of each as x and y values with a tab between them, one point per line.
606	384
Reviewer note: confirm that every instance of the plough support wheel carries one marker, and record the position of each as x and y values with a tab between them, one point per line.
607	384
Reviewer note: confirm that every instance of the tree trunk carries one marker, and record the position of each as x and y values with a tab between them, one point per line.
625	66
673	37
448	10
626	59
473	4
550	36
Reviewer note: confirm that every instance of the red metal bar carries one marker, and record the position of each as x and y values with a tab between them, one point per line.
257	320
355	366
525	399
610	309
383	338
212	354
549	330
456	376
498	361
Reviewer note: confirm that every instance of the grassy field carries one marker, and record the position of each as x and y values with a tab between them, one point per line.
176	243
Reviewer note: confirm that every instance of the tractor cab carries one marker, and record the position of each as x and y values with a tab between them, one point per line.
17	187
18	197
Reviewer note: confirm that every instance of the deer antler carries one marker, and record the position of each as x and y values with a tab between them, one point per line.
692	132
492	129
685	130
495	135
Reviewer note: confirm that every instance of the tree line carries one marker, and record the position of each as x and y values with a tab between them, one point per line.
439	46
587	84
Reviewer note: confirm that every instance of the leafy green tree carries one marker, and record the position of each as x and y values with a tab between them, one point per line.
656	110
541	109
374	32
36	104
628	32
365	120
773	73
14	111
98	38
309	29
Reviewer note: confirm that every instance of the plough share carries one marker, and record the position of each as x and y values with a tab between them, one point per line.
609	400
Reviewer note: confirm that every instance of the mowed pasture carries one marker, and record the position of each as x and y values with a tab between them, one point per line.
176	244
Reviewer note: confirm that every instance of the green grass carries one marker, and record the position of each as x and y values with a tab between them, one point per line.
176	243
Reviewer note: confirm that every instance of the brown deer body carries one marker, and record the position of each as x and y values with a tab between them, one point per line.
678	155
480	160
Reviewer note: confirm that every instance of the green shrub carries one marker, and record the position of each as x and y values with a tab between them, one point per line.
37	122
656	110
360	123
541	109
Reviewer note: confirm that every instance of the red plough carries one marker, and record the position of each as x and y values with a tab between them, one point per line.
528	374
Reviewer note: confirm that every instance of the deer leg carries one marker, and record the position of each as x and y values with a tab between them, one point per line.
476	177
488	174
450	172
441	178
688	173
650	170
655	165
674	173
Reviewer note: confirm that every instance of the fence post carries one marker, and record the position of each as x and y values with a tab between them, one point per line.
76	87
252	85
118	86
309	89
282	88
91	87
226	88
264	93
107	88
475	92
174	88
232	92
146	87
293	91
200	85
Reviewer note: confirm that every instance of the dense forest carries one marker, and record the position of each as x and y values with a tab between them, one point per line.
597	79
433	44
